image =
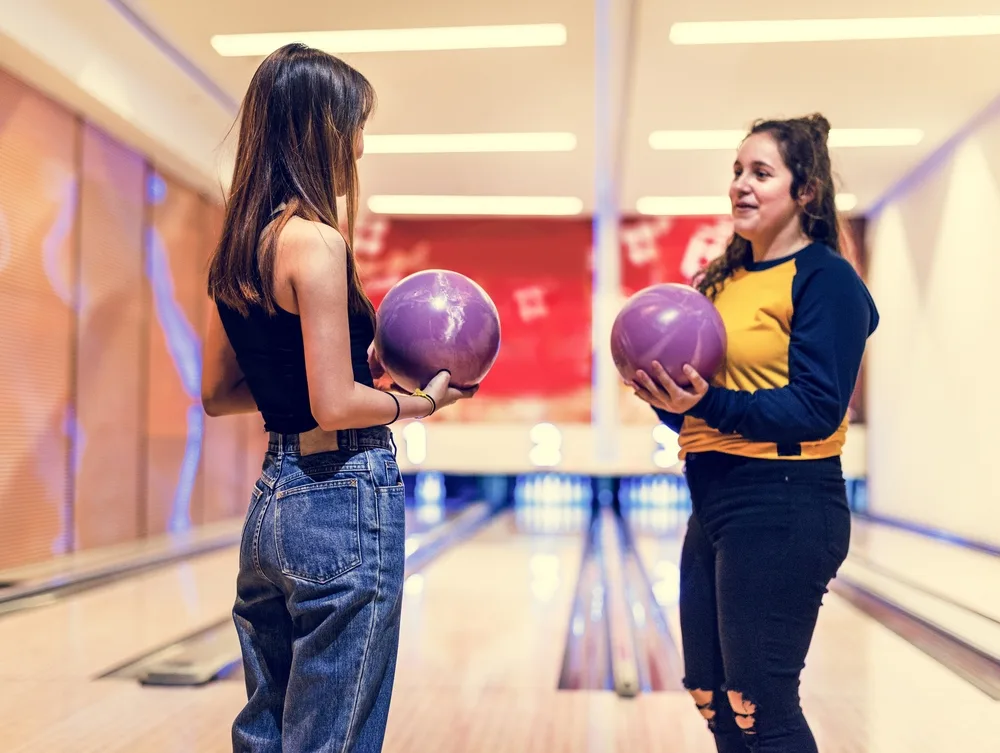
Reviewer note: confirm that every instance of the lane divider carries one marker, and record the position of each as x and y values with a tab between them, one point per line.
624	664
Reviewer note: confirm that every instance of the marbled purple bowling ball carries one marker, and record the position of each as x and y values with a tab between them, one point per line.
670	323
434	320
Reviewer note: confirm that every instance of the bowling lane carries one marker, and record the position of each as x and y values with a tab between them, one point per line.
50	657
957	574
87	633
482	641
493	612
864	687
74	716
482	644
50	700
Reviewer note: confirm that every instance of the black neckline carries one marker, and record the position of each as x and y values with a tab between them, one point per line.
759	266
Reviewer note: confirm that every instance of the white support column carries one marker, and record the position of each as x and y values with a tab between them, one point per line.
612	57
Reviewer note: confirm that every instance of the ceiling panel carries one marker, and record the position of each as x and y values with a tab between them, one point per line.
933	84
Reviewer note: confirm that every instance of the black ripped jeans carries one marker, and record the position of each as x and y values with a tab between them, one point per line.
764	539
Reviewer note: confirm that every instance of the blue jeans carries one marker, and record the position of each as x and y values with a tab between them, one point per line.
319	593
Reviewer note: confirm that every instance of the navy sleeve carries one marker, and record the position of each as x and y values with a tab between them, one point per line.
832	318
672	420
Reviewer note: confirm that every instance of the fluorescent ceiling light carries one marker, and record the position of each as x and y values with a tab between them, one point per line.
852	137
476	205
831	30
846	201
395	40
678	206
839	138
438	143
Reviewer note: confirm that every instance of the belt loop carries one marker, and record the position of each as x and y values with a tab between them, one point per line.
352	440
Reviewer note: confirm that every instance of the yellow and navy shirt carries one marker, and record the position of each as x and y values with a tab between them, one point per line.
796	329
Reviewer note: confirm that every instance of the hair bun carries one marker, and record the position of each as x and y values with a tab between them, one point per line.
818	124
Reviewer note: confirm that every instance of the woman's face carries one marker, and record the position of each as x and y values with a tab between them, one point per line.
762	204
359	144
359	150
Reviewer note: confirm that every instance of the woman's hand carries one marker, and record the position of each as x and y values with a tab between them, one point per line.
664	393
443	393
377	369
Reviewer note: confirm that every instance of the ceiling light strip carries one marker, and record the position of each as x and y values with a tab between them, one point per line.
395	40
831	30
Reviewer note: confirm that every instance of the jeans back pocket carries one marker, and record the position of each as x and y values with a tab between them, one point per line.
318	529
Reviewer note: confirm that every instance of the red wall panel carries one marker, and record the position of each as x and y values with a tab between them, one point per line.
538	274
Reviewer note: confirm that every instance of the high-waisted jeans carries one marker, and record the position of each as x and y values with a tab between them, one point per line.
319	593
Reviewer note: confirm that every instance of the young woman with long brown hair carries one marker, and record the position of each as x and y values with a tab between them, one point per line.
770	524
321	559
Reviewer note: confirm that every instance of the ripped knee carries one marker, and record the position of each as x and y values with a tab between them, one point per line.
744	711
703	700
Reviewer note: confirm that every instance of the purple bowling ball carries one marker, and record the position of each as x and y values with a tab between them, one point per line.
434	320
670	323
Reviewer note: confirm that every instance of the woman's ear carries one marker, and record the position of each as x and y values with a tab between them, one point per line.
807	195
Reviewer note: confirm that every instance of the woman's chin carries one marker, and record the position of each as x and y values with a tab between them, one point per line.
744	228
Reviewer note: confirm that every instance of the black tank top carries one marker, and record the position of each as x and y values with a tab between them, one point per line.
270	354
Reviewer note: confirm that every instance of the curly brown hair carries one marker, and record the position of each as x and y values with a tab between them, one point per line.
803	147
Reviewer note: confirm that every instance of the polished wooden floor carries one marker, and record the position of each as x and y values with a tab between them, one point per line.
481	647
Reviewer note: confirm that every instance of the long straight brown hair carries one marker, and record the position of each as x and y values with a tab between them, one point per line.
302	115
